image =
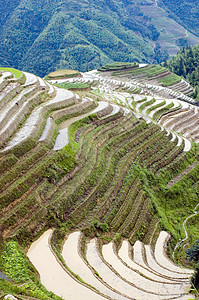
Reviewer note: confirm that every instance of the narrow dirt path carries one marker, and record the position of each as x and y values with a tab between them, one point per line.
177	178
195	212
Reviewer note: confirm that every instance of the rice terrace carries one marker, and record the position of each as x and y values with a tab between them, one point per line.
99	180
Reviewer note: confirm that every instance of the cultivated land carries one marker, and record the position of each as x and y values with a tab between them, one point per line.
62	74
86	187
172	33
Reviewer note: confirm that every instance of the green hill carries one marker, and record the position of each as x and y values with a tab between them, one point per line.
41	36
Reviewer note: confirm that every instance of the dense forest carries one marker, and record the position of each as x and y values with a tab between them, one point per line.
186	64
41	36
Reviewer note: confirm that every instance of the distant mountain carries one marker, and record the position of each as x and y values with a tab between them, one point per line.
184	12
41	36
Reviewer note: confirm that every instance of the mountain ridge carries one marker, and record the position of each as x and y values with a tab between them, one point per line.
41	36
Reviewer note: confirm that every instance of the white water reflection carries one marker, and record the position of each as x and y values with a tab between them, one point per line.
53	276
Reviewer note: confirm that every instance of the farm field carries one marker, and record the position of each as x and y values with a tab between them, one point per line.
170	31
86	197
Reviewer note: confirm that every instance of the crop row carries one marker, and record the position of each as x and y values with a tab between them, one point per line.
99	168
22	166
155	106
163	111
146	103
47	184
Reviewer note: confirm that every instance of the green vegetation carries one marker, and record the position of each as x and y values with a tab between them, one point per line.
163	111
169	80
100	226
185	11
118	66
151	72
81	40
67	159
193	252
134	103
73	86
12	260
16	266
15	72
186	64
193	255
174	201
41	38
109	181
171	36
146	103
60	74
155	106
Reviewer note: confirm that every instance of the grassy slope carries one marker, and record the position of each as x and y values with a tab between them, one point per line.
15	72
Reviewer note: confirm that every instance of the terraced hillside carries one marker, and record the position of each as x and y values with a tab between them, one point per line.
93	166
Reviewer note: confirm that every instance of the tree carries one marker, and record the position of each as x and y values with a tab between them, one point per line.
193	253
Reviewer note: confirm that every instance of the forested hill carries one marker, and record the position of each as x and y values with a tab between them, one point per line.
43	35
186	64
185	12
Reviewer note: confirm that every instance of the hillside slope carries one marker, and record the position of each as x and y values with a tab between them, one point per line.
41	36
185	12
174	33
97	161
186	64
